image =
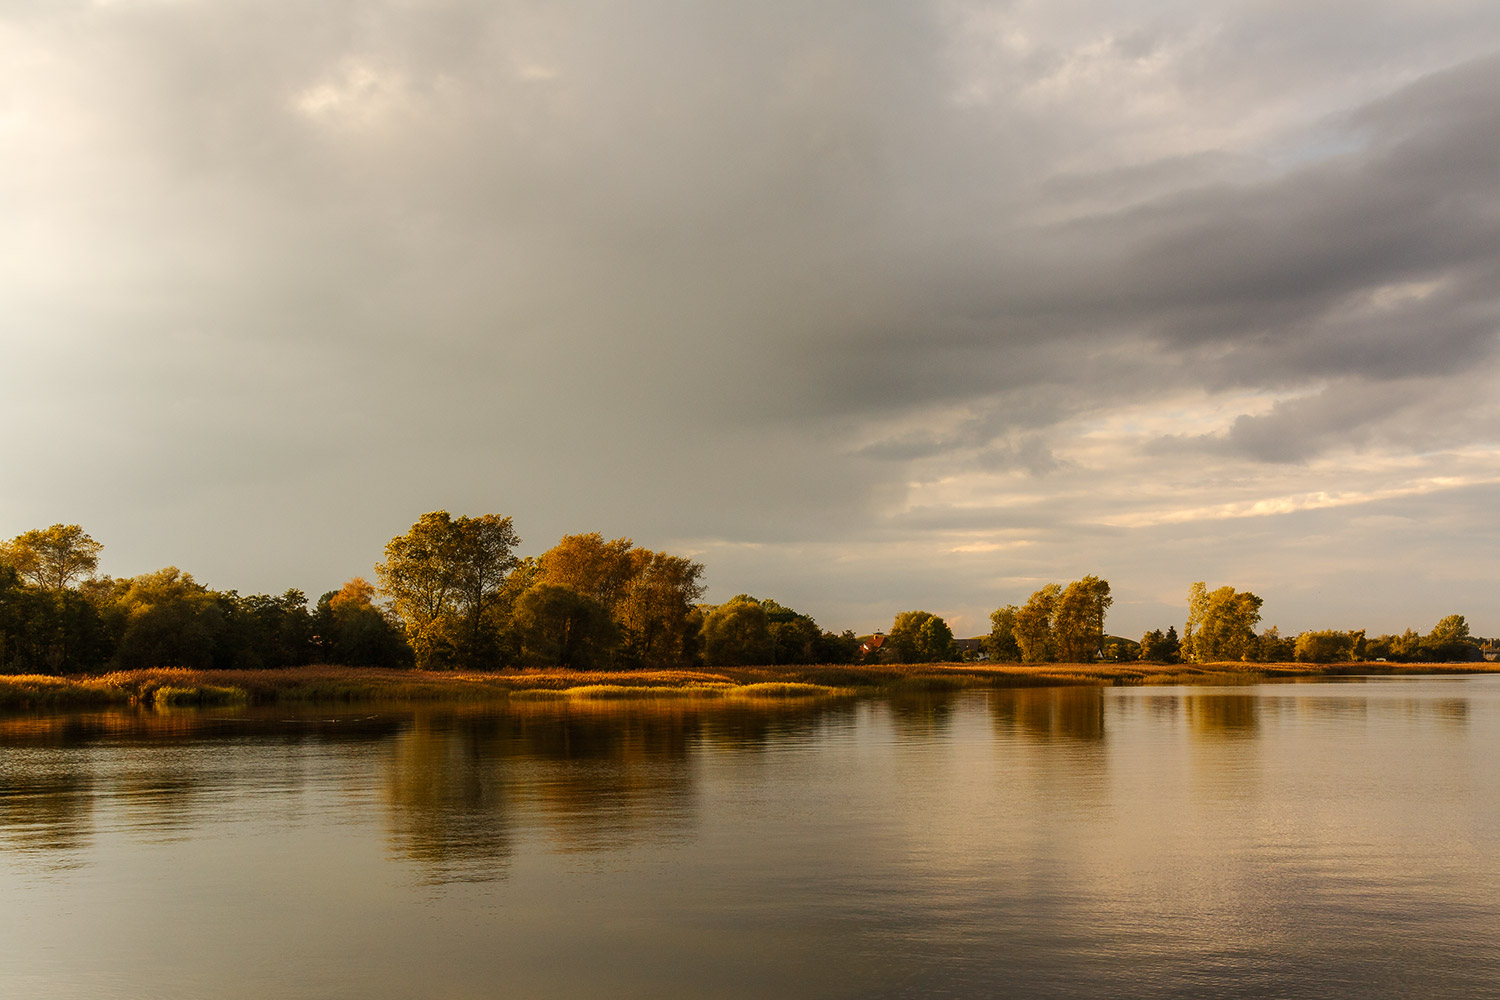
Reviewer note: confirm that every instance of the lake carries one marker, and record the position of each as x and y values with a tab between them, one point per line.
1328	839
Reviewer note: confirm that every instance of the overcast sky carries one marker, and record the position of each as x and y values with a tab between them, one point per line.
868	306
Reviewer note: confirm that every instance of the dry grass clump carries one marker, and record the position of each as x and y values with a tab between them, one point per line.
784	689
38	691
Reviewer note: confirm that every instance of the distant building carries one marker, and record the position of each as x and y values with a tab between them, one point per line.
870	645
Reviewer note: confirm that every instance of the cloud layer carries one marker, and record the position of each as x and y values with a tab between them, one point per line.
871	306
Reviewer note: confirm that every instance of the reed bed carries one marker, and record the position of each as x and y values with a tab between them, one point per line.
168	687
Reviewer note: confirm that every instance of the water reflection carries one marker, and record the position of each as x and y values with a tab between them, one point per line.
1060	713
1219	715
449	808
925	715
45	809
1304	841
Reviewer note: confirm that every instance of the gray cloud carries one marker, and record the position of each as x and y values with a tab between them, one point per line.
797	276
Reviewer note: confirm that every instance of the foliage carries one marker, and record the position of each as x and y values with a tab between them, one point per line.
1220	625
52	558
559	627
1273	647
444	578
1034	633
1001	643
737	633
836	649
650	597
1329	647
351	630
1161	647
1078	620
920	637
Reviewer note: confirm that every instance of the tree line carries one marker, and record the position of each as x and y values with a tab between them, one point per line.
452	592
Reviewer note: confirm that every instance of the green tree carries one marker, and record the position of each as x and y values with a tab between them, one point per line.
53	558
920	637
1033	630
1221	624
737	633
657	614
1078	620
1001	644
353	632
1450	642
165	619
1273	647
560	627
842	647
1328	646
444	577
1161	647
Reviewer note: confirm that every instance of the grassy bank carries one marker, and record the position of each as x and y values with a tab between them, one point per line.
165	688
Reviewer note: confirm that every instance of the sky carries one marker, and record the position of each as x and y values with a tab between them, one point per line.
868	306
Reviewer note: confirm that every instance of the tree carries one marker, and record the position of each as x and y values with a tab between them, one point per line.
1328	646
46	631
1160	647
443	578
1221	624
1273	647
590	566
737	633
1450	642
1033	630
354	632
53	558
560	627
165	619
840	648
920	637
1000	644
1078	620
656	614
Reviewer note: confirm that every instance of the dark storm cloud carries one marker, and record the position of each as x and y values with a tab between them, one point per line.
1377	263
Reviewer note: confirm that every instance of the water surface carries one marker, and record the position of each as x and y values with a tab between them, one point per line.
1331	839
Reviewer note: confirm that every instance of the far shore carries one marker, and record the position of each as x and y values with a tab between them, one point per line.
169	687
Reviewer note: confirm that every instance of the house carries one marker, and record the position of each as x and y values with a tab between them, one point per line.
870	645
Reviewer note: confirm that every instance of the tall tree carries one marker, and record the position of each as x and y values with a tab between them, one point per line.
1078	620
657	613
443	577
1221	624
1034	633
559	627
737	634
920	637
53	558
1000	644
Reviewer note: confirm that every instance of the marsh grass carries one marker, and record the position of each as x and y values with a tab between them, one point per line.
366	685
199	696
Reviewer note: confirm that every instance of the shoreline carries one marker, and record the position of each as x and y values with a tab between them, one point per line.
173	687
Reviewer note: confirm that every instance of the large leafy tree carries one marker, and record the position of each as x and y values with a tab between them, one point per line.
1033	630
53	558
650	597
920	637
1078	620
1000	644
1221	624
352	631
657	612
444	577
737	634
559	627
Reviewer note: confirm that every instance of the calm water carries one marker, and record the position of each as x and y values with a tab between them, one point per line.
1297	840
